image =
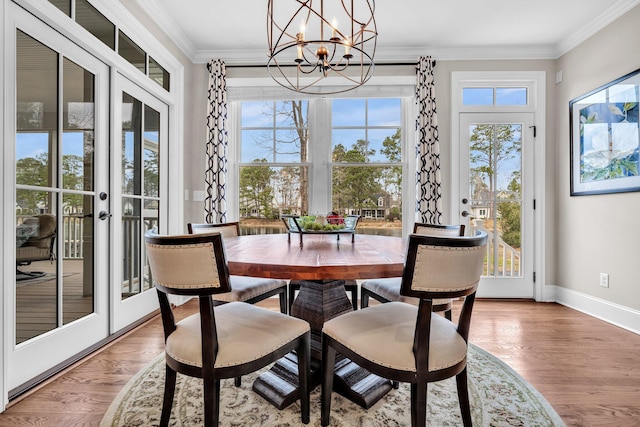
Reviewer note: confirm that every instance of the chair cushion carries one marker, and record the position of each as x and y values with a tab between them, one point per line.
384	335
245	333
390	289
244	288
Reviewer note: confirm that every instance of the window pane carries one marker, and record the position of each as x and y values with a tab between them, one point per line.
268	192
131	52
274	131
63	5
384	145
373	192
384	112
95	22
78	127
511	96
257	114
477	96
348	112
158	74
350	146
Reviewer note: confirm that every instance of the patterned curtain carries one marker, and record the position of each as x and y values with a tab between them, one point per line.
428	179
215	203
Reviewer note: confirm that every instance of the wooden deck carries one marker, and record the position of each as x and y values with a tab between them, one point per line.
36	299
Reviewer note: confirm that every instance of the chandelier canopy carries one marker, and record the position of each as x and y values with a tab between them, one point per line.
328	41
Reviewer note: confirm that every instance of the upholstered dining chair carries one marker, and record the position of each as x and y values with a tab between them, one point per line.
245	289
220	341
408	343
388	289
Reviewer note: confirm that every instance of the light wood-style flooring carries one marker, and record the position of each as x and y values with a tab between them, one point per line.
587	369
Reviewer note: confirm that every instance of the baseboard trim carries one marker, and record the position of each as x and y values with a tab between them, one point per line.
618	315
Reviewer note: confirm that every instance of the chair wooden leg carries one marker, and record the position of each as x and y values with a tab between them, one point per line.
364	299
283	302
169	390
447	315
237	381
304	368
328	364
293	286
463	398
211	401
419	405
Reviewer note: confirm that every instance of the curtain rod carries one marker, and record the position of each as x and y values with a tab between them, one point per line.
293	65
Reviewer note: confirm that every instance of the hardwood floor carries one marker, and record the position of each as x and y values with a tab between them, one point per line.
587	369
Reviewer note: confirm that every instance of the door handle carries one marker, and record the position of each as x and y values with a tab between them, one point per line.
466	214
104	215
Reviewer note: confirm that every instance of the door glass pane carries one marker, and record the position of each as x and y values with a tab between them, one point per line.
151	152
495	187
131	143
78	121
53	288
78	128
141	190
36	268
36	165
78	260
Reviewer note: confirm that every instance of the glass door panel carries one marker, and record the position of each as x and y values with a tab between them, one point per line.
496	193
61	250
142	123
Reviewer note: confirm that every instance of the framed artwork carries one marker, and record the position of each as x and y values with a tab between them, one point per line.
605	138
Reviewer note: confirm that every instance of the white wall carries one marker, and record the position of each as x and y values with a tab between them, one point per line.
597	233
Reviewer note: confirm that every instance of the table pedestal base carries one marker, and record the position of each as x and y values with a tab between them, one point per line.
318	302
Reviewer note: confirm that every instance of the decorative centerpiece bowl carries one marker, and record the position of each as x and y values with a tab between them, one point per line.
320	224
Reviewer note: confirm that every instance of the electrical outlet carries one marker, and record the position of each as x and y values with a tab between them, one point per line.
604	280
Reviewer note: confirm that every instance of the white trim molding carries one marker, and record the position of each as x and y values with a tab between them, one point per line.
615	314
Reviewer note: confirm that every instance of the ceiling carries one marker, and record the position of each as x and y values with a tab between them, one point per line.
453	29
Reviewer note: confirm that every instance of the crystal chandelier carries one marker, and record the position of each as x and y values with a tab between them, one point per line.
332	42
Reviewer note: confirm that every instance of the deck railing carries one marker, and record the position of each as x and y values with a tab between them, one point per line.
501	260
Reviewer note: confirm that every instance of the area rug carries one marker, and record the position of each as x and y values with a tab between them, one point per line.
499	397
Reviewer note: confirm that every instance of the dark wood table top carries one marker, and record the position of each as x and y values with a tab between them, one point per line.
322	257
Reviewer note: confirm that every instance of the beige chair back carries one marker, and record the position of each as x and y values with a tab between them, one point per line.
438	230
228	229
183	263
443	267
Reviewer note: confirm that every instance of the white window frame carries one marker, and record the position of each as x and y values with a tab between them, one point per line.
320	126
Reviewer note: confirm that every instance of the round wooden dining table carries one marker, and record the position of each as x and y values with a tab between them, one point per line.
323	256
321	267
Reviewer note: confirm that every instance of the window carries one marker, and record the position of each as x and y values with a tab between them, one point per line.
479	96
290	163
97	24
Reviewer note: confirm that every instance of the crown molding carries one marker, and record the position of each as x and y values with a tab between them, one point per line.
613	12
160	16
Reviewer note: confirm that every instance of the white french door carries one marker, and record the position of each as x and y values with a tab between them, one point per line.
141	190
496	195
58	159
